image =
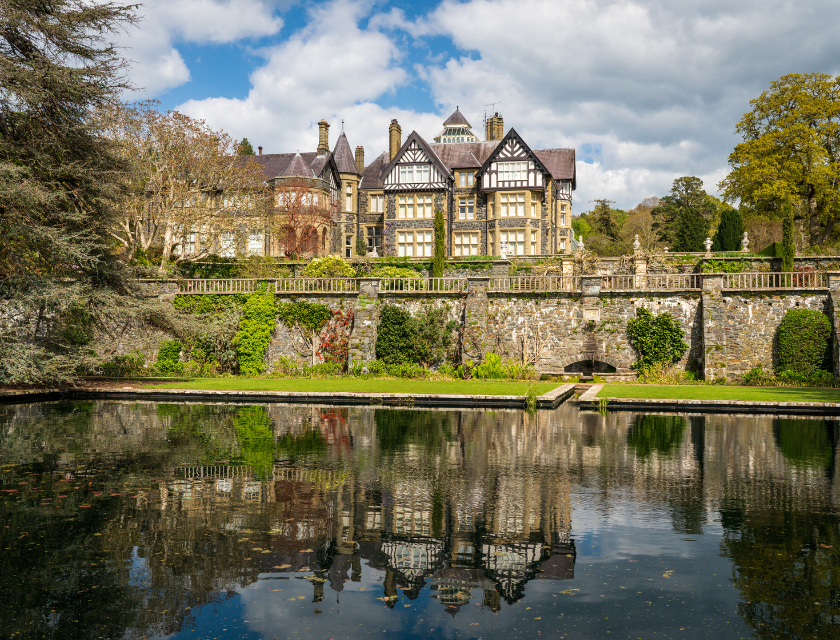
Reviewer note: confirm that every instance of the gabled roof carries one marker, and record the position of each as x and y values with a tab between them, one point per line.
298	167
512	134
414	136
372	176
560	163
343	154
456	118
464	155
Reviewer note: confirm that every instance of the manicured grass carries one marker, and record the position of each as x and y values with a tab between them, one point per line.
448	387
719	392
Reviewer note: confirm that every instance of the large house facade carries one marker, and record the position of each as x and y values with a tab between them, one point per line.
495	195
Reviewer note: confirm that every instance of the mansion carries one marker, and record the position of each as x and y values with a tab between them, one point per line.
492	193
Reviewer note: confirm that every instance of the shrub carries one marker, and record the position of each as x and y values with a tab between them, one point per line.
169	355
254	335
657	339
306	315
394	342
804	342
665	373
130	364
440	245
361	248
394	272
491	368
328	267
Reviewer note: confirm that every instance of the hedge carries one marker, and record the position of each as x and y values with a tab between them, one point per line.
804	342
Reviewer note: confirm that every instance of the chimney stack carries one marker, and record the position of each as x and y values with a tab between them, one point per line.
323	137
494	128
394	139
360	159
260	150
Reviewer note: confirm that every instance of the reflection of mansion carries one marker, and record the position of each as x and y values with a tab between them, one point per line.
492	193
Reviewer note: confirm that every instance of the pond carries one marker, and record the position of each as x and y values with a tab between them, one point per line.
151	520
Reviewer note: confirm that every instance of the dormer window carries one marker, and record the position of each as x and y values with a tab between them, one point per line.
413	174
513	171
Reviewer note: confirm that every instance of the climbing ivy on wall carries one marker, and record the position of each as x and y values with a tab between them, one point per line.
201	304
657	339
306	315
255	329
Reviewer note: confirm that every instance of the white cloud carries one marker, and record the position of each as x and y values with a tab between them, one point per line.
157	64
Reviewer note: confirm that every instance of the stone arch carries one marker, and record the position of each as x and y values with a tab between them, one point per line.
618	363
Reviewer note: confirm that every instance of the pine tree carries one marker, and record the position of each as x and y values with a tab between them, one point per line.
788	246
691	230
729	232
245	148
440	245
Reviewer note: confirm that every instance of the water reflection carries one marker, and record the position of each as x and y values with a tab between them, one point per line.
129	519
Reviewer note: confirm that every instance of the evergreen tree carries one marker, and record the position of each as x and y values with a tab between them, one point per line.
686	193
788	246
691	230
729	232
440	245
245	148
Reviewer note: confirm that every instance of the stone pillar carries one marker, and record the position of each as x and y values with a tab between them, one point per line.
365	320
640	266
589	301
475	342
714	327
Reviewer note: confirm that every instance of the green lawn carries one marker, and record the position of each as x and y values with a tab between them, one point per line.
719	392
448	387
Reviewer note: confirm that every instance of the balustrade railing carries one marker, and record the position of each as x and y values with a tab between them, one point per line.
219	285
316	285
536	283
653	282
777	281
423	284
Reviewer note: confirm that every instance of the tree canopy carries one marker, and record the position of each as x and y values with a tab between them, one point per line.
244	148
791	153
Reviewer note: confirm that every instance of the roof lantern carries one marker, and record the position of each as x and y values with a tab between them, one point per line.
456	128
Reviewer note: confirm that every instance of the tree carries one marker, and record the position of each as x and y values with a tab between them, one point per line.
788	247
729	232
244	148
189	192
440	245
640	223
686	193
59	179
301	217
691	231
791	152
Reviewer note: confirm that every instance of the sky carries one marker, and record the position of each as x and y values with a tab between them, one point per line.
645	91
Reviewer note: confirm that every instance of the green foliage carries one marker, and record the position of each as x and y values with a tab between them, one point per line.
307	315
440	245
310	443
692	228
394	272
361	247
729	232
169	356
686	194
261	268
394	340
130	364
255	329
208	303
581	228
728	266
328	267
256	437
493	367
76	327
758	377
788	245
244	148
378	369
660	434
666	373
424	339
657	339
804	339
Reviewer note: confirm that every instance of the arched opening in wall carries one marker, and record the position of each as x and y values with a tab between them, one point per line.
589	366
309	241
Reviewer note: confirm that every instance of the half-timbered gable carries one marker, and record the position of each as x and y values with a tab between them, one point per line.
512	165
416	167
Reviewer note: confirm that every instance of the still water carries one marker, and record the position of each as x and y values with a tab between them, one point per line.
149	520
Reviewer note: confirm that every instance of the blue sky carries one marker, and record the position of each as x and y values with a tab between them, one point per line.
644	90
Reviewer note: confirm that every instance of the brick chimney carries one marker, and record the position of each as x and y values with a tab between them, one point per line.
260	150
323	137
394	139
494	129
360	159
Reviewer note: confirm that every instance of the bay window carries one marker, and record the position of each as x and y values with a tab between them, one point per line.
421	205
516	241
512	205
419	243
465	243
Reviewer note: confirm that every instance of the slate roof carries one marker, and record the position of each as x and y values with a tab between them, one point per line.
274	164
344	159
372	175
298	167
559	162
456	118
464	155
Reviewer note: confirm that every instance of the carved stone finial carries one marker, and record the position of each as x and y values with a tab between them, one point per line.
580	242
745	242
503	249
636	244
708	244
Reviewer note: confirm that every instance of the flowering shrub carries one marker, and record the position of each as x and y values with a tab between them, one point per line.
328	267
335	337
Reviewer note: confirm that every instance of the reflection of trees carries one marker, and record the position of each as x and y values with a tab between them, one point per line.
660	434
787	566
805	443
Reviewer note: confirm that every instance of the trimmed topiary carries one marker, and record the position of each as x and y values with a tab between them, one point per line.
395	340
804	342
